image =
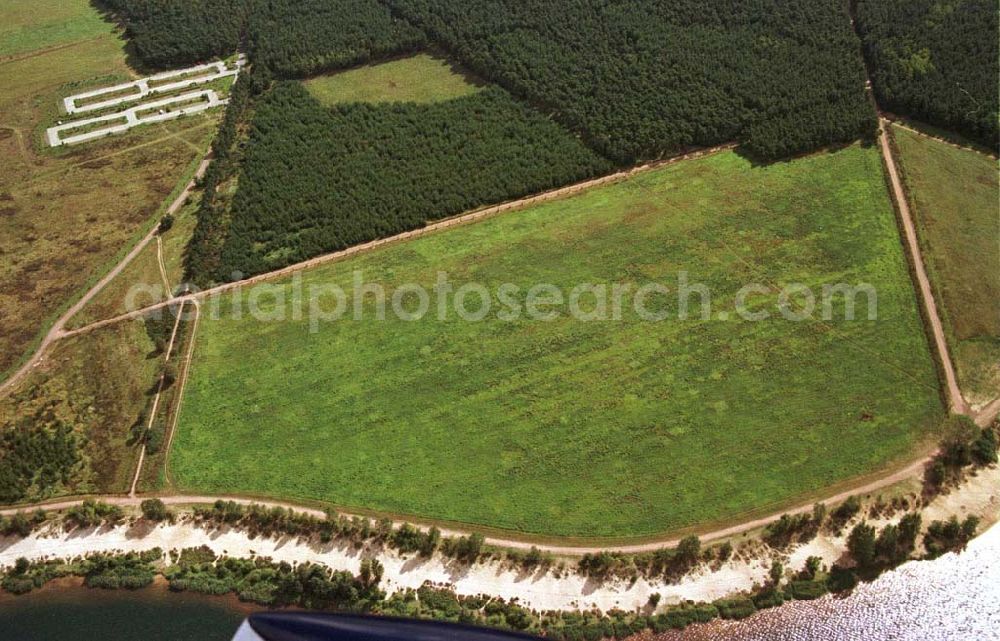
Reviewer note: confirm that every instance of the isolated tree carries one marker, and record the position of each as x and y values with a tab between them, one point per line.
984	448
813	565
21	566
861	545
909	528
431	541
371	572
777	572
155	510
887	547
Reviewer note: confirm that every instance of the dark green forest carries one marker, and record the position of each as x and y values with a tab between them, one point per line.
316	179
167	33
634	79
935	61
36	455
291	37
296	39
642	79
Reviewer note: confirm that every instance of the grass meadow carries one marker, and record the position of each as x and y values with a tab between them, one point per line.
421	78
955	195
587	429
97	384
67	214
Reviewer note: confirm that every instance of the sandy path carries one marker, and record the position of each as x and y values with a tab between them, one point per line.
156	402
163	267
58	329
523	543
955	399
182	385
989	413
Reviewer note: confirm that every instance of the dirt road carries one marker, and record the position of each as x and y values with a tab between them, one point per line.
522	543
955	400
58	329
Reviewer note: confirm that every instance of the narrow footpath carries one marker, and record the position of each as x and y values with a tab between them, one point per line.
58	329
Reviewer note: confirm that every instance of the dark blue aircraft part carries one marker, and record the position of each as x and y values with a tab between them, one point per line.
305	626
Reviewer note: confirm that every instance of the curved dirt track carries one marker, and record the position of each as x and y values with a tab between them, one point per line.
58	329
524	543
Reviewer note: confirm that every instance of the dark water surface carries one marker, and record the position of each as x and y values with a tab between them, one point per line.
152	614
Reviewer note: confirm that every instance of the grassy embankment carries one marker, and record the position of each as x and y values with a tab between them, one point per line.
590	429
955	195
67	214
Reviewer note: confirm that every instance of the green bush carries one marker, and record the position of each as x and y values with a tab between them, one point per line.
806	589
735	608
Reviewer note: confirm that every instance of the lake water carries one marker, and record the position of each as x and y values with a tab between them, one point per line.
955	598
152	614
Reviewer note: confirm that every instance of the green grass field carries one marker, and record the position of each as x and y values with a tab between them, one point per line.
30	25
591	429
955	194
421	78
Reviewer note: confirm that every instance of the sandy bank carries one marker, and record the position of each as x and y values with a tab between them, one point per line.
543	590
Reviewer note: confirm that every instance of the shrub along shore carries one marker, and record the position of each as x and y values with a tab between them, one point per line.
880	535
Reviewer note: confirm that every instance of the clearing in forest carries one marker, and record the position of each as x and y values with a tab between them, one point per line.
422	78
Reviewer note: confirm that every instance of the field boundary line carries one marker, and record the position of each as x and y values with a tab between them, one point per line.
956	402
156	403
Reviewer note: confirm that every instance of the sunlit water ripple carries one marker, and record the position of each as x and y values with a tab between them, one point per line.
954	598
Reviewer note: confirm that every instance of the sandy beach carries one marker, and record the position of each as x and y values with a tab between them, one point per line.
542	590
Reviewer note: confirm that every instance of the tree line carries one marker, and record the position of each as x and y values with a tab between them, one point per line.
935	61
315	180
291	37
642	79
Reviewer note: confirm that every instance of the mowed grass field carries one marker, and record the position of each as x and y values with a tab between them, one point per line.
589	429
66	215
957	206
422	78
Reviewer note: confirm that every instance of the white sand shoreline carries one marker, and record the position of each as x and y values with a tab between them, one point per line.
541	590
